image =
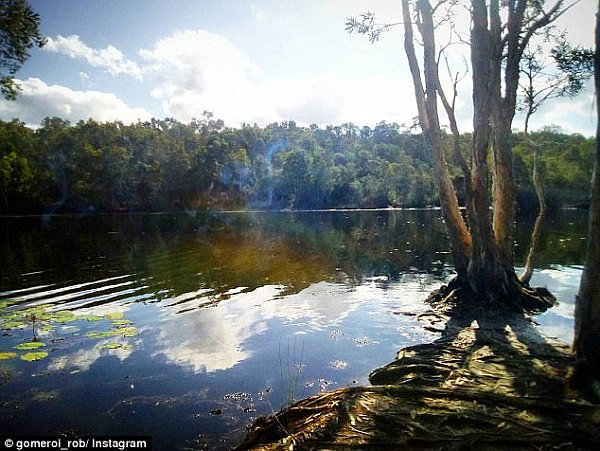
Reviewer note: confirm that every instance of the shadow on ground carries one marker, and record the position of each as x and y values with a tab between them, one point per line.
492	381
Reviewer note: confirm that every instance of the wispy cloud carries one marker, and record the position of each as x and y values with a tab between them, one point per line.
110	58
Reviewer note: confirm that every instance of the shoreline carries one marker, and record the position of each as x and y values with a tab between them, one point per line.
491	381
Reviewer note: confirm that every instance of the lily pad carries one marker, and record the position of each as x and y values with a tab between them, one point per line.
120	322
33	356
38	312
90	317
114	346
63	316
107	333
116	315
12	324
29	345
7	355
130	331
5	304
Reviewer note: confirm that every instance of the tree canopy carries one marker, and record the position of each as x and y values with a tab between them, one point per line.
19	33
500	32
168	165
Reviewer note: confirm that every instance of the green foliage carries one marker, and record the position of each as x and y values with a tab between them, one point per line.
166	165
33	356
42	319
19	32
566	163
576	62
127	332
29	345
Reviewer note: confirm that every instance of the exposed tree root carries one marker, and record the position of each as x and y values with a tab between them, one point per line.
491	382
518	297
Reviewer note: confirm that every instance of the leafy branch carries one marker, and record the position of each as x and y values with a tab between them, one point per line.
367	24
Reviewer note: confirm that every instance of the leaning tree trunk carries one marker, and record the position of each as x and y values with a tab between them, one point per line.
426	99
587	308
482	253
525	277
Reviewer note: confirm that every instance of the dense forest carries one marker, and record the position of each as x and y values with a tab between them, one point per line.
167	165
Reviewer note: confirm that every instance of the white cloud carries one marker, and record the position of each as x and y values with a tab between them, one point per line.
215	338
259	13
84	77
195	71
38	100
109	58
572	115
84	358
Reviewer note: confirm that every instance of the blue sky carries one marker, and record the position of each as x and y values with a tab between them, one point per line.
254	61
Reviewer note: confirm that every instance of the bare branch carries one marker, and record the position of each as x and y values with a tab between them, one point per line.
547	18
413	65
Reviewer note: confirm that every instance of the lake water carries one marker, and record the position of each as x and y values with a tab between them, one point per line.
186	327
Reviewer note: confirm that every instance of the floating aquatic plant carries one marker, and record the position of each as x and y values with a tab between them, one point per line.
126	332
43	319
114	346
114	316
90	318
29	345
33	356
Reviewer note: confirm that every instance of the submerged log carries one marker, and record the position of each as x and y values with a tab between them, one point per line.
492	381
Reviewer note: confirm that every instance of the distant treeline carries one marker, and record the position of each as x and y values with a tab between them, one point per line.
167	165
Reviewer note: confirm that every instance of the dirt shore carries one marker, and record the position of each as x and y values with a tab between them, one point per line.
491	382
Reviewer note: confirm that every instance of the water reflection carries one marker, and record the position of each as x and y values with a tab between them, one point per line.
563	282
178	317
214	340
177	254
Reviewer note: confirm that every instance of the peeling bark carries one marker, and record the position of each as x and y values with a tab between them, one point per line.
483	252
460	238
587	308
503	110
482	266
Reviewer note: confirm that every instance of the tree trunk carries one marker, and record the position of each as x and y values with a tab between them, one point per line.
504	194
537	228
503	110
491	271
460	238
587	308
483	264
483	256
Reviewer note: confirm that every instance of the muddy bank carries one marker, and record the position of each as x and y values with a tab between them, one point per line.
491	382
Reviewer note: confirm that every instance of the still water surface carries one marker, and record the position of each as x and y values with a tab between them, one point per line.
188	326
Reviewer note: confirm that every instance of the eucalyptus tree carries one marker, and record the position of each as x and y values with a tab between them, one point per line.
587	308
543	80
500	31
19	33
17	165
